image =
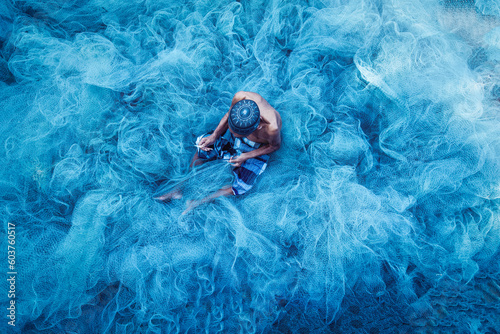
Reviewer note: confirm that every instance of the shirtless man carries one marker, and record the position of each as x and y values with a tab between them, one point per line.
245	136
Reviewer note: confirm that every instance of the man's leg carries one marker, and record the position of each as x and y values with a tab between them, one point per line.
245	178
177	192
196	161
226	191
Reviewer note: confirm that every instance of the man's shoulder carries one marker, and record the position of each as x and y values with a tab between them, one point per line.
241	95
273	129
273	135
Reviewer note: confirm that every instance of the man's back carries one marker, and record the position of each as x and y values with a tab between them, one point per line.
270	124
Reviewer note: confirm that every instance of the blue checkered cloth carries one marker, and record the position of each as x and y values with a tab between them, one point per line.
228	146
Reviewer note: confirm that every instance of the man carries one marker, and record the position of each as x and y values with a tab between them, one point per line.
245	136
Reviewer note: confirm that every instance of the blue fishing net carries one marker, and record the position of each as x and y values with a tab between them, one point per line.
378	214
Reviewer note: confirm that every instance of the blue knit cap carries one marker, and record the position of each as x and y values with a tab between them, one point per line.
244	117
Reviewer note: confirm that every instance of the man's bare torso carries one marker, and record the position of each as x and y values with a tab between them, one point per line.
270	119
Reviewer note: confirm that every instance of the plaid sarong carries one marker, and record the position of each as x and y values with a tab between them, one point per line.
228	146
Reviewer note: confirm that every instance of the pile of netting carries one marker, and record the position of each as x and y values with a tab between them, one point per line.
378	214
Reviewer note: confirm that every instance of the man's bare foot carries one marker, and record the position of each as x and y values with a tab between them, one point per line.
176	194
190	205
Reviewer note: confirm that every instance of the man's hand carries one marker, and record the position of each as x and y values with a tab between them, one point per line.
238	160
207	141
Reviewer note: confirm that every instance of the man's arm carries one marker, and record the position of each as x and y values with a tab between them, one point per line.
274	143
222	127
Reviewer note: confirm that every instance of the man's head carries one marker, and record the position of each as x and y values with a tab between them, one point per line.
244	117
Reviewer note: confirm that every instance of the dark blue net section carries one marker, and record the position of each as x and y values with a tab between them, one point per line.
379	213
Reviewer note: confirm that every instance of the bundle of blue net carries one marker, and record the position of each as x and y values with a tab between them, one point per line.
378	214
